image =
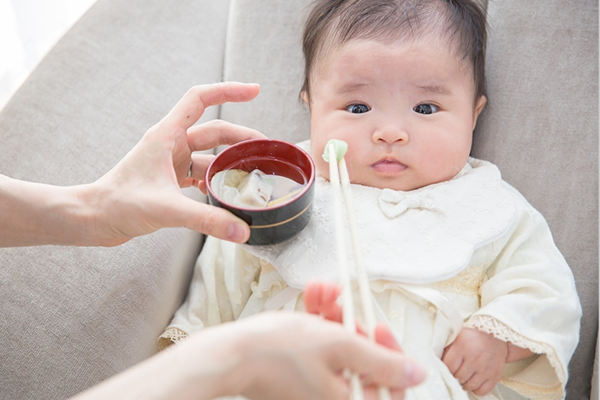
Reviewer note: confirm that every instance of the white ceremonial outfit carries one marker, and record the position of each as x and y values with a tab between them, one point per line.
469	252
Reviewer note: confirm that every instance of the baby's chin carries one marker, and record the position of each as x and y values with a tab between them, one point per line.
393	184
405	183
404	186
399	184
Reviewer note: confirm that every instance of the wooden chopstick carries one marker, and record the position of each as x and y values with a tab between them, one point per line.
338	172
348	302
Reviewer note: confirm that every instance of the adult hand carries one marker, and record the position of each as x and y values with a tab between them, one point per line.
301	356
320	298
141	194
270	356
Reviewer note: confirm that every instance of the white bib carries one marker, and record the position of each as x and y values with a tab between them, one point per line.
419	237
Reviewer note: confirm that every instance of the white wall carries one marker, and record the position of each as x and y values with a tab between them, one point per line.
28	30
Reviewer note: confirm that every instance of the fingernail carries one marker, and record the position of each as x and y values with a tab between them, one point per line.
237	233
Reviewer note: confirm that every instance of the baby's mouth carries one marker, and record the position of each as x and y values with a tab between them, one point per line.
388	166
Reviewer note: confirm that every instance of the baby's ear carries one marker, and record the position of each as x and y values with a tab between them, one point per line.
481	102
304	97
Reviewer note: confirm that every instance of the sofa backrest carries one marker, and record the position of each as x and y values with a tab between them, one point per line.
541	126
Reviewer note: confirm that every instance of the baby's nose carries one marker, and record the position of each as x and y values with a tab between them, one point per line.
390	134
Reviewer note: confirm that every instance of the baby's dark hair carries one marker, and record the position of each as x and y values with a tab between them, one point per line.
332	23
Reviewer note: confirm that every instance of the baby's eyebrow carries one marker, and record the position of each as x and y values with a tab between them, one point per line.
352	87
437	89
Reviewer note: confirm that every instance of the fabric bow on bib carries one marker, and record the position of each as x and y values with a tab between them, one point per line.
393	203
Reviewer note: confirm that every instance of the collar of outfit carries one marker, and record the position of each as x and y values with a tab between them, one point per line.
430	233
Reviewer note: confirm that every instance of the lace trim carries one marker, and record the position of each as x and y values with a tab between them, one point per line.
267	291
268	281
487	324
169	337
466	283
535	392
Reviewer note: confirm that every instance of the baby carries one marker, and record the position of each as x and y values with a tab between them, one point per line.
462	268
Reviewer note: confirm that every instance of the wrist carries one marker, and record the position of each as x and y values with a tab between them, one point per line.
225	369
67	216
516	353
89	215
237	372
40	214
103	211
199	368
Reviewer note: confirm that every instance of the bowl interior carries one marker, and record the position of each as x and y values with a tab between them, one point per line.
270	156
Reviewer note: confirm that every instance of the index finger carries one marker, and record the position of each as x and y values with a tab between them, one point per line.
381	366
217	132
190	108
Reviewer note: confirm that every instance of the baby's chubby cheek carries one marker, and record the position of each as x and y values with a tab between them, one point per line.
316	150
322	167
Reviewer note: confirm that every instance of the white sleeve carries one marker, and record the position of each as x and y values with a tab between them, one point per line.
530	300
219	290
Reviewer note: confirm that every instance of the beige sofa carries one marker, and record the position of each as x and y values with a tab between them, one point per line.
71	317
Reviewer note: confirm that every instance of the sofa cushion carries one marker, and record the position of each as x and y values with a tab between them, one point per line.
541	128
264	45
74	316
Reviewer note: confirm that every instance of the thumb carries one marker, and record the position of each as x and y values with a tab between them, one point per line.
207	219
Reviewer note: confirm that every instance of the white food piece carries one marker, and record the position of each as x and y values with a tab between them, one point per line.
255	189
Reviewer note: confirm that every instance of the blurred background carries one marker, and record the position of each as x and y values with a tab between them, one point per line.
28	30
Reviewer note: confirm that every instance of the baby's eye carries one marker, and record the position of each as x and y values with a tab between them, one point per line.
425	109
358	108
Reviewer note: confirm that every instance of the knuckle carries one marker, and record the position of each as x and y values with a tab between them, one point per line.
482	390
205	222
195	90
198	93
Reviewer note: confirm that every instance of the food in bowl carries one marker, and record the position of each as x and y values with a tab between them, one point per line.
254	189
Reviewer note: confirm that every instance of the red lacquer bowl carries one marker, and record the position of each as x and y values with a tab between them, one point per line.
281	222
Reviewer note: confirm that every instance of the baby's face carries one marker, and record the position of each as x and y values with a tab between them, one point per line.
406	111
